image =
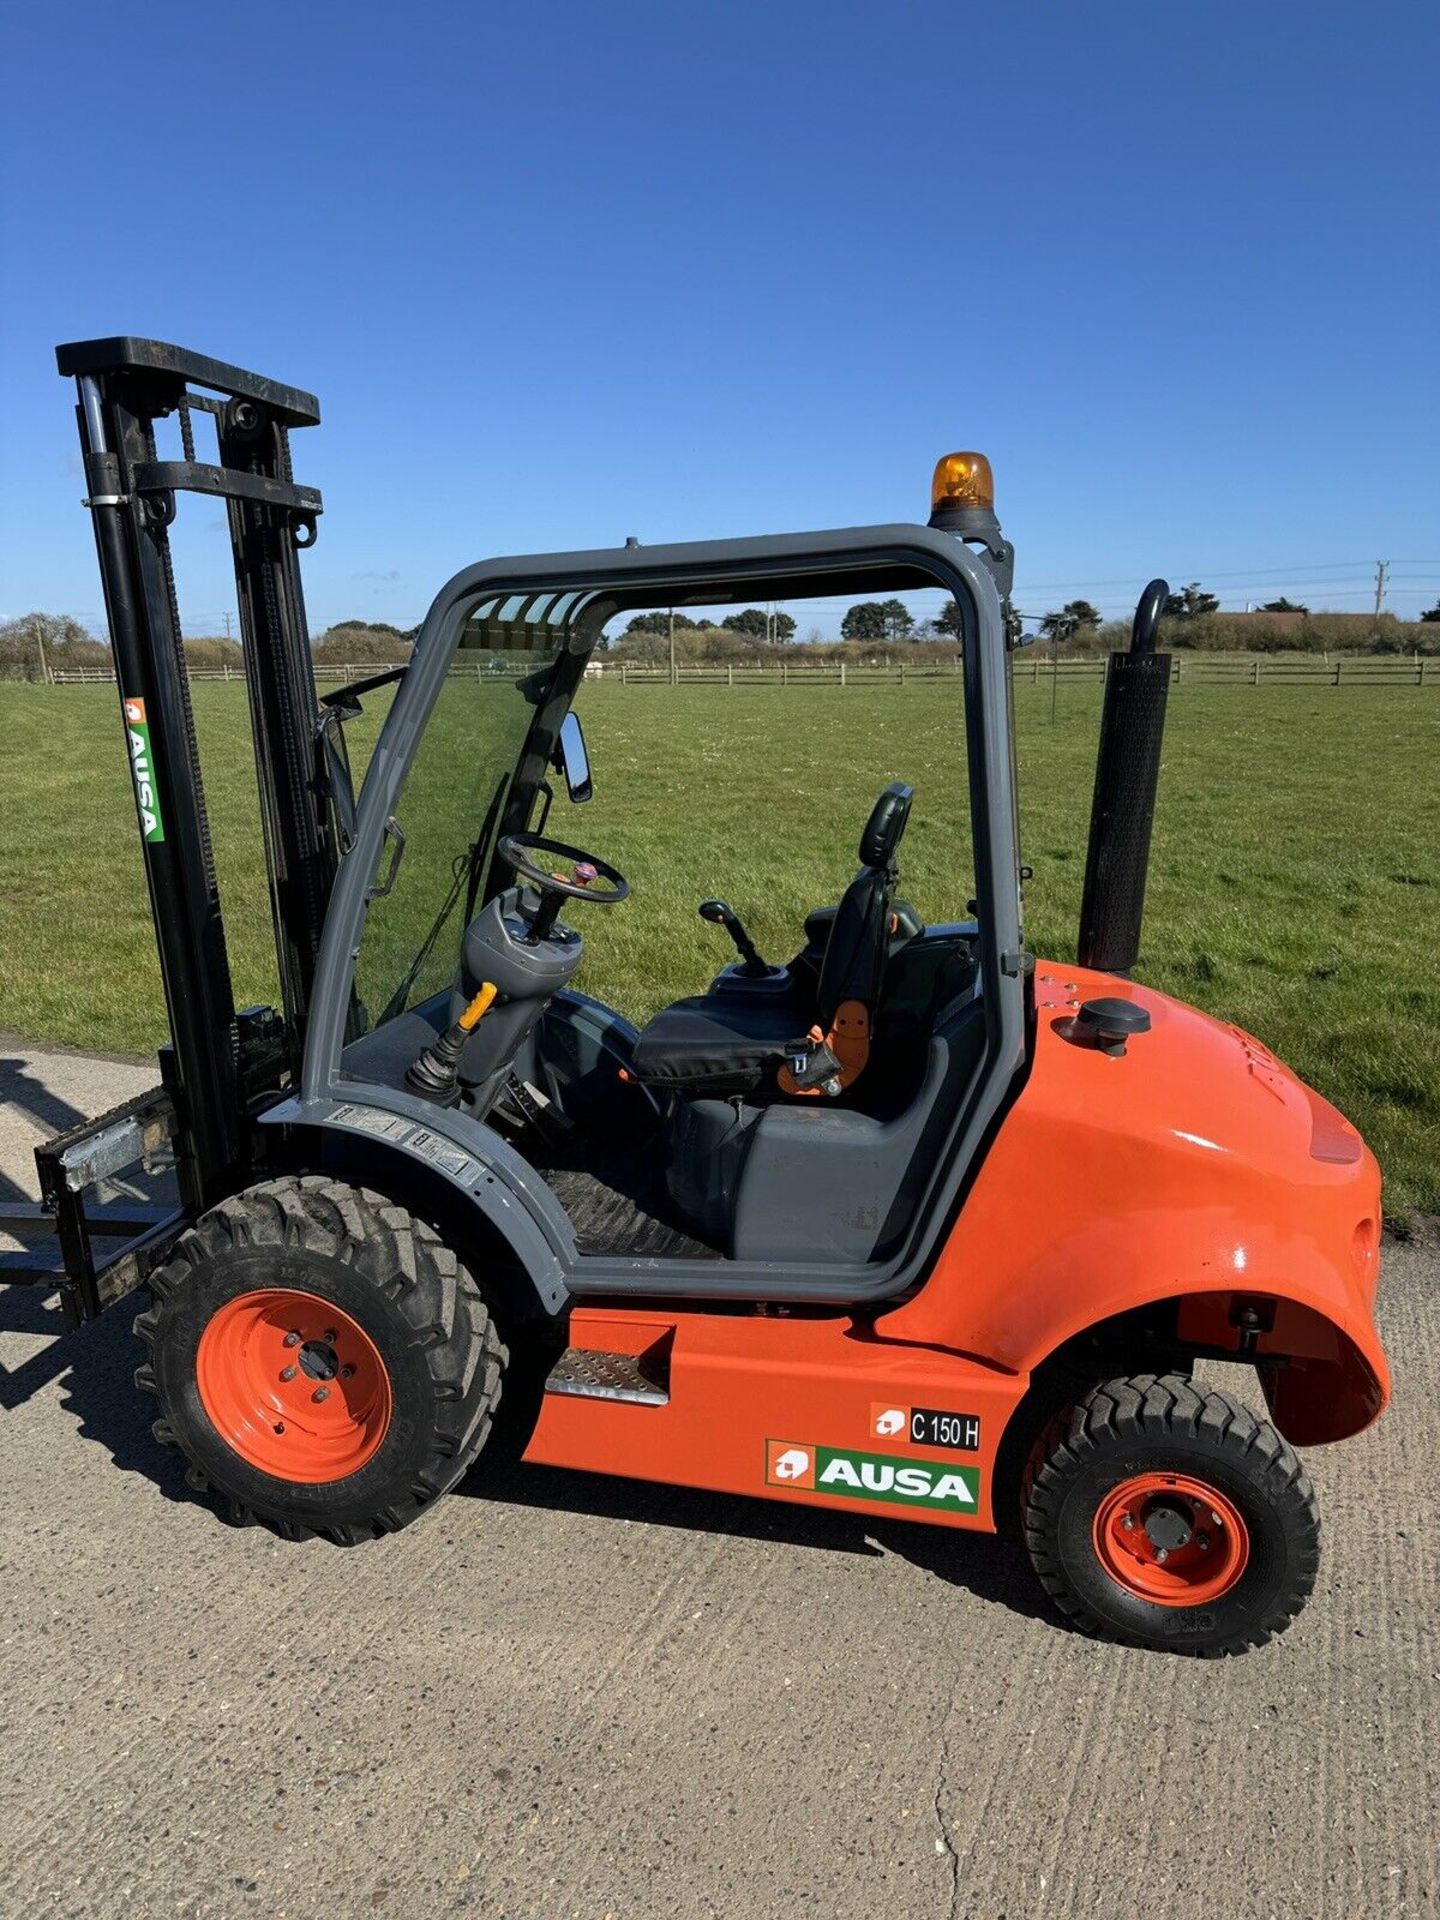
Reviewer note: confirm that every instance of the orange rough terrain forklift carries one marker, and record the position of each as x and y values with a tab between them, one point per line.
913	1225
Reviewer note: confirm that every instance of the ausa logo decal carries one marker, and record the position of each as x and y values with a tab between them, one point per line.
142	769
797	1465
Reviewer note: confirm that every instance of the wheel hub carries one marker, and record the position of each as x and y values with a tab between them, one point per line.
319	1359
1169	1524
1171	1539
294	1384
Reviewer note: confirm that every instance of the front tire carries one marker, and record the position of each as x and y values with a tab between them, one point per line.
1170	1518
321	1358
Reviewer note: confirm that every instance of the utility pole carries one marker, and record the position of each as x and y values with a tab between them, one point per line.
38	629
226	618
1382	567
1054	670
1062	630
672	646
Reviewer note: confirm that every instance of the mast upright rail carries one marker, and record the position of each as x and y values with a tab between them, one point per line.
217	1060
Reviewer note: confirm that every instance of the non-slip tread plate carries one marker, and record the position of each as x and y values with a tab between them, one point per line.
593	1375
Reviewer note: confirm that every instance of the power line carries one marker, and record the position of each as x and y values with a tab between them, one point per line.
1346	567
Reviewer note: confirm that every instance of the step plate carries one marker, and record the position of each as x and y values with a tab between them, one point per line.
591	1375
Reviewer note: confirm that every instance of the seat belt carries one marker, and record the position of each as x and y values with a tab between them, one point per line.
827	1063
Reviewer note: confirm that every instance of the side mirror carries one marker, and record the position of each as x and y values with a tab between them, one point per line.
573	761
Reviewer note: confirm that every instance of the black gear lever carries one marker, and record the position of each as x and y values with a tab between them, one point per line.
721	914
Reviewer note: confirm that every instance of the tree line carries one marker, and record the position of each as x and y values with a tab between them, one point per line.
869	621
34	646
1190	603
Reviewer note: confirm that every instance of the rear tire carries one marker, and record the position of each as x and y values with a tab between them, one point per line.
321	1358
1170	1518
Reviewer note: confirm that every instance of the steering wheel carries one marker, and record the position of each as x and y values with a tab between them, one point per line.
516	849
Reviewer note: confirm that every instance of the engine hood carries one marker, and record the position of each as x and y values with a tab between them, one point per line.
1198	1082
1192	1167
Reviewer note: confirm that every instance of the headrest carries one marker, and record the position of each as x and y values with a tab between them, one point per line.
885	825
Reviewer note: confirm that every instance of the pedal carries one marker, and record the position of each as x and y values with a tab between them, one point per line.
641	1378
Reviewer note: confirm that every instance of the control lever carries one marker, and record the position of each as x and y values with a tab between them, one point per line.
432	1074
720	914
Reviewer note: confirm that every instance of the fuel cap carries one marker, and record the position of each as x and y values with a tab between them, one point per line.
1108	1024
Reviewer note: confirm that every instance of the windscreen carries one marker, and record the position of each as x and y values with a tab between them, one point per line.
449	811
738	751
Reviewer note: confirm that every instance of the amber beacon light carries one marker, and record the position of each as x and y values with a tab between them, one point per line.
962	480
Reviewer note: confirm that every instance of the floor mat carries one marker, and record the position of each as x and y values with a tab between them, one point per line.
622	1210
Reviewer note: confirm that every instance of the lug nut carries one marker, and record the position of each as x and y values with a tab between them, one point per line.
292	1339
1202	1540
1128	1523
1162	1553
346	1371
1216	1519
287	1373
331	1334
321	1393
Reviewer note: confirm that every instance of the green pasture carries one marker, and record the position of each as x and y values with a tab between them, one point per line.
1295	880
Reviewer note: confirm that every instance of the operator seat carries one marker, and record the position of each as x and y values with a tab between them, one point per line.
734	1042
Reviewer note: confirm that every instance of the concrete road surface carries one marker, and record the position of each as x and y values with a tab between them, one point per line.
561	1695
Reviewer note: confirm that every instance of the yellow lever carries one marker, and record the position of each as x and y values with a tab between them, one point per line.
478	1007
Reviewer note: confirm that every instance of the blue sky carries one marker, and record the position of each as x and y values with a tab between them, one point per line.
562	274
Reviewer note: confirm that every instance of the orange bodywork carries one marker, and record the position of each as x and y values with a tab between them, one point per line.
747	1390
1193	1168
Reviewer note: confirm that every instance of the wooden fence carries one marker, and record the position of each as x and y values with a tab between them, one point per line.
1032	667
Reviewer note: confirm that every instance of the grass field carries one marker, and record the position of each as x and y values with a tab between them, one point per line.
1295	881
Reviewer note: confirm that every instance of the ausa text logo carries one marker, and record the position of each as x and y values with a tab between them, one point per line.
799	1467
142	769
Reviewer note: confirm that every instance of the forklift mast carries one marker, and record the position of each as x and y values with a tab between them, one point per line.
125	386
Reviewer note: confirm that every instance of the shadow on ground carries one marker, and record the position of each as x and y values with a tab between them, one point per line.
98	1388
20	1089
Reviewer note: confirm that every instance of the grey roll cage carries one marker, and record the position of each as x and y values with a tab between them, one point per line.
576	593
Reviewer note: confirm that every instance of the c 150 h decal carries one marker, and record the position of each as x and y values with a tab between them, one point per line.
925	1426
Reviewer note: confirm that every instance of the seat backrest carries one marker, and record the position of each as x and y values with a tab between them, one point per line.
856	951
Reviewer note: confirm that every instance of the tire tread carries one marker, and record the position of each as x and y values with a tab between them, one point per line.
434	1291
1148	1405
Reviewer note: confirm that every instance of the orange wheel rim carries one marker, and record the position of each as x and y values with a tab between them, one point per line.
1172	1540
294	1385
